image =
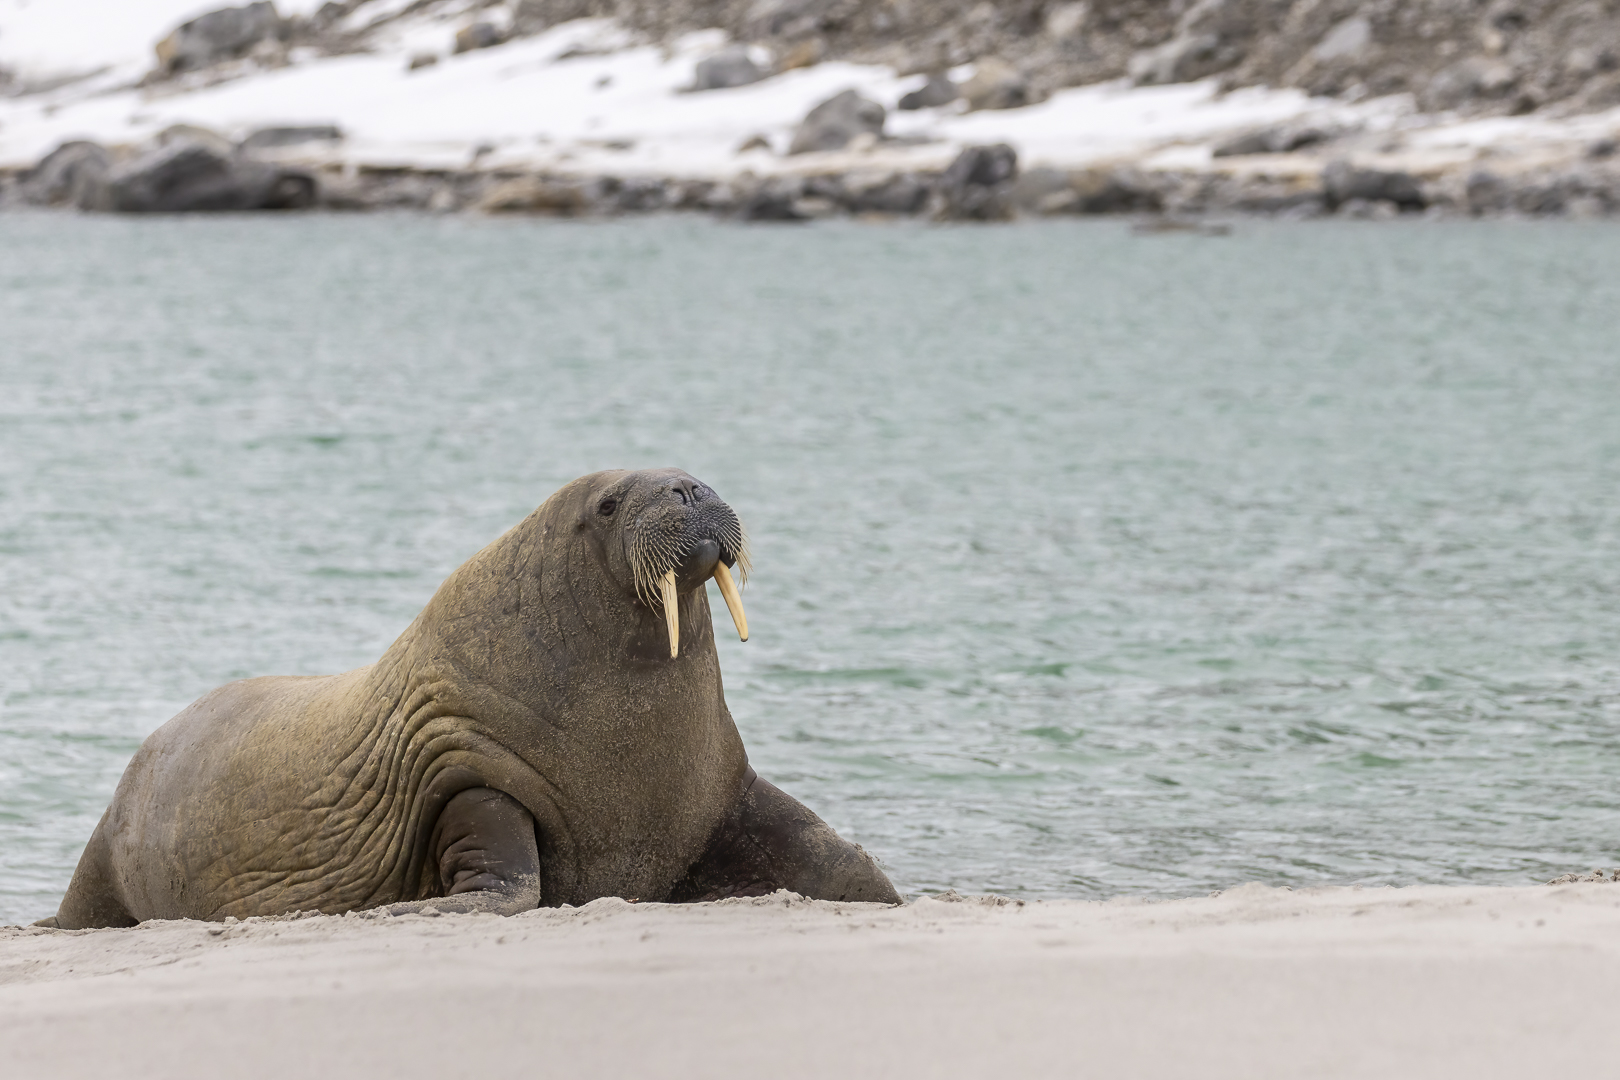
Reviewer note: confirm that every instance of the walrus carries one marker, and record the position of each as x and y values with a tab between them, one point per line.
549	730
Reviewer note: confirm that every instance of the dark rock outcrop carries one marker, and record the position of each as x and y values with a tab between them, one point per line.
836	122
74	174
1343	183
219	35
478	35
937	91
274	138
188	176
977	186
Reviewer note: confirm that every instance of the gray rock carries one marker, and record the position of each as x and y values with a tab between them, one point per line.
187	176
219	35
1181	59
937	91
834	123
899	193
977	186
776	200
480	35
1282	139
1343	183
74	174
276	137
1348	40
1476	77
786	18
731	66
996	85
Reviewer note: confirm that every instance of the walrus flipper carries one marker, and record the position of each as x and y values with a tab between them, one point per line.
772	842
487	854
92	900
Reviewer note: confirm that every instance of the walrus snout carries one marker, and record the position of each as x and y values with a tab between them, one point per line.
697	565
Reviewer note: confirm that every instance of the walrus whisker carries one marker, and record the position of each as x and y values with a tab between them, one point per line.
728	589
672	613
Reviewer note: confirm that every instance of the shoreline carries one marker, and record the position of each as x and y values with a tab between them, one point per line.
1253	981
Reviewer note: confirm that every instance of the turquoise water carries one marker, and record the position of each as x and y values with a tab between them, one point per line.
1085	563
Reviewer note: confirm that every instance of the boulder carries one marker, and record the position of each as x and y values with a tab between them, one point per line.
937	91
1462	82
893	193
188	176
977	186
219	35
536	195
836	122
1343	183
1282	139
995	85
74	174
1088	191
786	18
731	66
274	138
479	35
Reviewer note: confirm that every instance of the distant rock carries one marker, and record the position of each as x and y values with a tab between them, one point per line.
1280	139
937	91
274	138
836	122
479	35
1344	183
74	174
1048	191
219	35
977	186
1462	82
892	193
728	68
188	176
996	85
537	195
787	18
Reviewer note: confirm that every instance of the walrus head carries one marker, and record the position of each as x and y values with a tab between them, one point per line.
665	533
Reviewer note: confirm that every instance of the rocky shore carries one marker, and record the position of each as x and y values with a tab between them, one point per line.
794	110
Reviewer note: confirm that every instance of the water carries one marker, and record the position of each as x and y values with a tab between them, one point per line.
1086	563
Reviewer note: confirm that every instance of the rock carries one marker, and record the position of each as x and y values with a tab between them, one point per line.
1603	149
731	66
778	200
1089	191
895	193
786	18
1348	40
754	142
1282	139
187	176
536	195
421	60
1181	59
937	91
1343	183
1460	83
219	35
1064	22
74	174
977	185
803	54
995	85
480	35
274	138
836	122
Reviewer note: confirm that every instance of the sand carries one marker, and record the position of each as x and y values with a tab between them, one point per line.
1253	982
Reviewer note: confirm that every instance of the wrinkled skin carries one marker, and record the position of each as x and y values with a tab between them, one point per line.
527	741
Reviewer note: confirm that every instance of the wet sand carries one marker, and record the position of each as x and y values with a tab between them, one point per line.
1253	982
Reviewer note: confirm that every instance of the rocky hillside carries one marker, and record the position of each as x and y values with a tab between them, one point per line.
1475	56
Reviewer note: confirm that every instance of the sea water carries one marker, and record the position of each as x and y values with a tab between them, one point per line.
1086	563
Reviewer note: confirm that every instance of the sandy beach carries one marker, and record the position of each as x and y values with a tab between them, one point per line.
1252	982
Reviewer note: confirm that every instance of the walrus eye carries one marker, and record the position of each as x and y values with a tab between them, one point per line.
607	507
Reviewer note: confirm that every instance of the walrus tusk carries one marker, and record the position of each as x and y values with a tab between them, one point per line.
728	589
672	613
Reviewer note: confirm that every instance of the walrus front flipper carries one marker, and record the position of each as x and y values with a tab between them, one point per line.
488	857
91	900
772	842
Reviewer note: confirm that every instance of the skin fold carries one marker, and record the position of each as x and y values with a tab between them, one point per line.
528	740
